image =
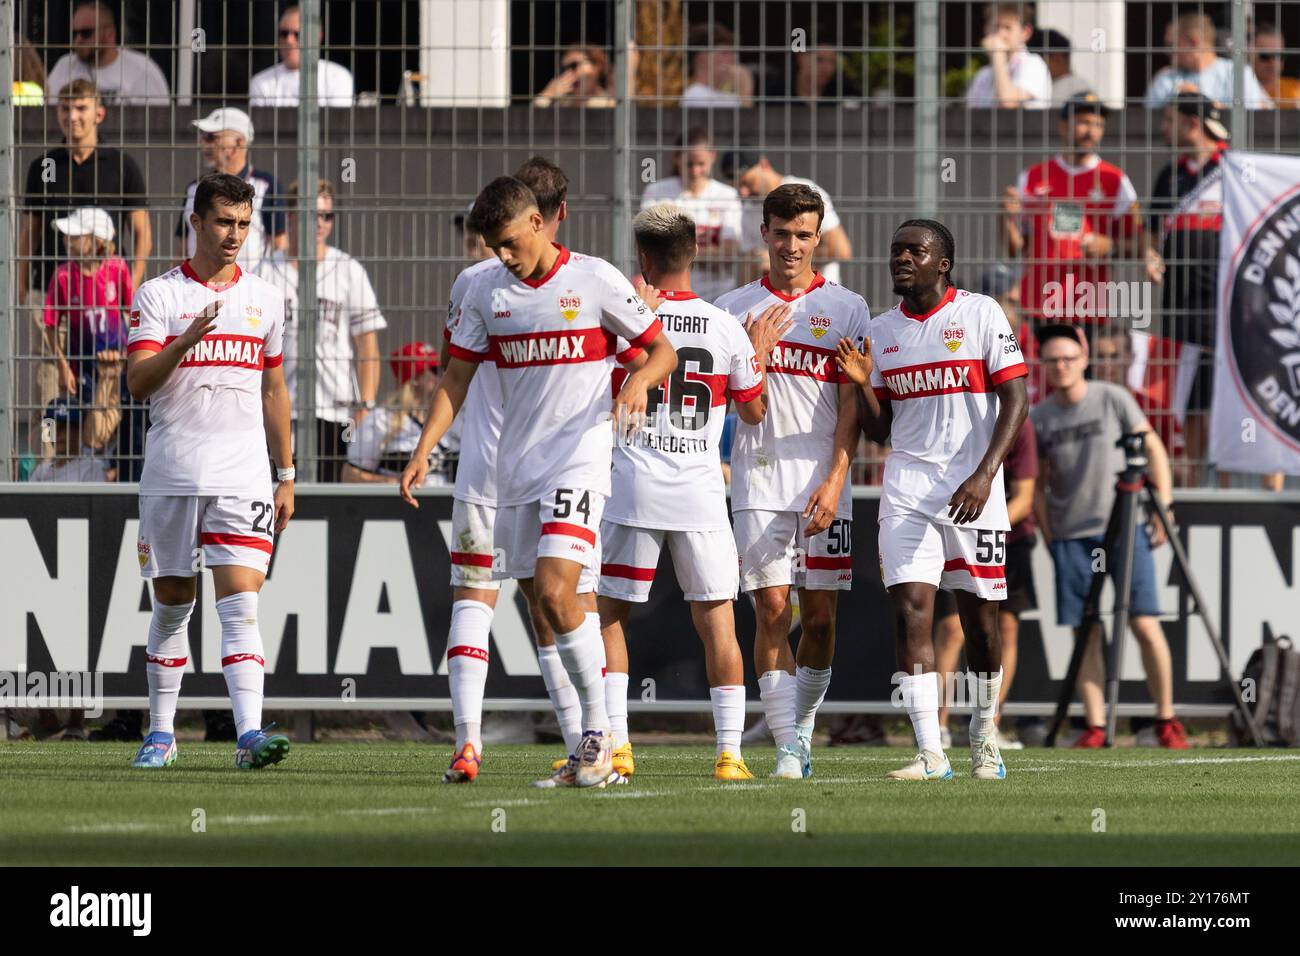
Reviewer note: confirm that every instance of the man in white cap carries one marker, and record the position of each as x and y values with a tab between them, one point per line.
278	85
122	76
225	135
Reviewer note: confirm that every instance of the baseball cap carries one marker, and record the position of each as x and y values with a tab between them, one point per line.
460	217
63	410
1045	333
227	118
1084	103
998	280
87	221
411	360
736	162
1212	116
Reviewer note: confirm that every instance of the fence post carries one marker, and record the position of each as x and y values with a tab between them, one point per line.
305	450
9	308
925	109
1237	118
622	212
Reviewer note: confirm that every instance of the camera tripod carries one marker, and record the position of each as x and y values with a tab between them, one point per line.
1121	529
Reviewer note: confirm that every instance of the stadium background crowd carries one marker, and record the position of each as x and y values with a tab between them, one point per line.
723	101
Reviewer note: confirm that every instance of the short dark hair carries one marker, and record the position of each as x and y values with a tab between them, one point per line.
666	235
221	186
697	137
501	200
101	7
547	181
947	248
792	199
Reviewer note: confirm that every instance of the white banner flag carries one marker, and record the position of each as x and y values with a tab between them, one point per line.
1255	424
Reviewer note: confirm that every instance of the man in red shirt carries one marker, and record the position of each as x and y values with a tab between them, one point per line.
1066	218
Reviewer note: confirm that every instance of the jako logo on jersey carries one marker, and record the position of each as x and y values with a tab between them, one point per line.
890	351
505	314
819	325
953	334
570	305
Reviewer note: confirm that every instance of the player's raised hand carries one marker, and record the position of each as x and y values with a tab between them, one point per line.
765	331
855	364
203	323
629	409
967	502
649	295
821	507
417	469
283	505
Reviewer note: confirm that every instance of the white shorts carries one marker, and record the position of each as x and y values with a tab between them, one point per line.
915	548
472	529
705	562
180	535
564	524
774	552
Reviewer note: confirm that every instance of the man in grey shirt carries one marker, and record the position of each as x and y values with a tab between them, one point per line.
1077	427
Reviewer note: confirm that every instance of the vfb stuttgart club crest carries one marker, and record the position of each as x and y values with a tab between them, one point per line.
953	334
1264	321
570	305
819	325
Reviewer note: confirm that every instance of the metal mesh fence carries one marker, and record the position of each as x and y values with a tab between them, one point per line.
896	110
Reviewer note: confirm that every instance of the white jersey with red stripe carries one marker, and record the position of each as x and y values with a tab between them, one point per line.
480	417
939	372
553	342
719	218
206	432
777	464
669	478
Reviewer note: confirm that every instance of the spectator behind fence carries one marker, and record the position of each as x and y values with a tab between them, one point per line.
1078	428
1196	64
225	136
1268	58
584	80
79	435
753	176
1054	47
278	85
1015	77
383	444
123	77
348	322
1066	218
714	206
817	78
86	297
717	77
29	76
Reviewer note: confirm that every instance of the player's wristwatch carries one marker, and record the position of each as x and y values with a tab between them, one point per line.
285	474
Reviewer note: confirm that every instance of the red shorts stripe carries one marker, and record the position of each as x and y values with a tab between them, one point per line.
473	560
166	661
628	571
468	650
569	531
994	572
240	658
237	541
828	564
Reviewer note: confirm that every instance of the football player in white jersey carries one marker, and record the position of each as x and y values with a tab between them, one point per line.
943	381
206	348
668	488
548	319
789	492
474	592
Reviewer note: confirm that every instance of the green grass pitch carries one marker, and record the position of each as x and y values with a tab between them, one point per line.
341	804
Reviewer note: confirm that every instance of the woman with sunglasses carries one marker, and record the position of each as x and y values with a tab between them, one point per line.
583	80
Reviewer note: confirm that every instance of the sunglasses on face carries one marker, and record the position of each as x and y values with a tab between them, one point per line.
285	34
573	65
324	217
85	34
1269	56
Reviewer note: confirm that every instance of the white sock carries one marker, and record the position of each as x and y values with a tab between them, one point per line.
921	698
616	705
568	710
728	717
167	653
776	691
810	691
986	706
241	659
467	669
582	650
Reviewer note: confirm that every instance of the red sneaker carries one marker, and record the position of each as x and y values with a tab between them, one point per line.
464	766
1090	739
1171	734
